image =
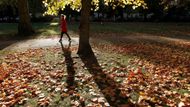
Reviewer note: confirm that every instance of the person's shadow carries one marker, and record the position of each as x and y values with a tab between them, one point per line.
111	90
70	71
69	64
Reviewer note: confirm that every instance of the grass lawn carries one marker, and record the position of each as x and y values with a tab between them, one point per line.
48	29
135	64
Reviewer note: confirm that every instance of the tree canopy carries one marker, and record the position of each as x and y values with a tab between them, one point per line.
53	6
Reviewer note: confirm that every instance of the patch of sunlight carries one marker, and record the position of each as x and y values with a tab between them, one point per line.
54	23
176	39
1	33
51	31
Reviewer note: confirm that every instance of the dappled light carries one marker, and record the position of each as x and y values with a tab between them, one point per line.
54	24
161	62
54	6
94	53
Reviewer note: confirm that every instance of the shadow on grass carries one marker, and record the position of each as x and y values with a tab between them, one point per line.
69	64
4	44
9	39
70	71
170	44
111	90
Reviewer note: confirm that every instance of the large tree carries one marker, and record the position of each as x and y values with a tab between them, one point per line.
84	45
24	26
53	6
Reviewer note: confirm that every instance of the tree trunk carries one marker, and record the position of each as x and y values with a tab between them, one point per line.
24	26
84	45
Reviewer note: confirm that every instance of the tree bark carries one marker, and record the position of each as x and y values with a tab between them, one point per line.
84	45
24	26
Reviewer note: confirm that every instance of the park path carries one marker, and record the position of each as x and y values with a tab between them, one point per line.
40	43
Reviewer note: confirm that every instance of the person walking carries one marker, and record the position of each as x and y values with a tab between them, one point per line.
64	27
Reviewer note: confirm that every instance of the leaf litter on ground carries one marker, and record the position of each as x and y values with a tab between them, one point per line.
150	74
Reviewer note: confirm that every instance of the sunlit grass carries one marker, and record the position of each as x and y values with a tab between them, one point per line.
54	24
52	28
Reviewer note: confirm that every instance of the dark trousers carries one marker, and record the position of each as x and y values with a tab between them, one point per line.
66	34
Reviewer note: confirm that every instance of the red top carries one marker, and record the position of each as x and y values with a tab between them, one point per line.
63	25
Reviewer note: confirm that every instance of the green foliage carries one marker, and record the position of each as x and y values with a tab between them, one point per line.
8	2
5	3
36	6
53	6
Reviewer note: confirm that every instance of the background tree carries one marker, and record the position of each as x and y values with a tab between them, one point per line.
24	26
35	7
8	10
156	7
